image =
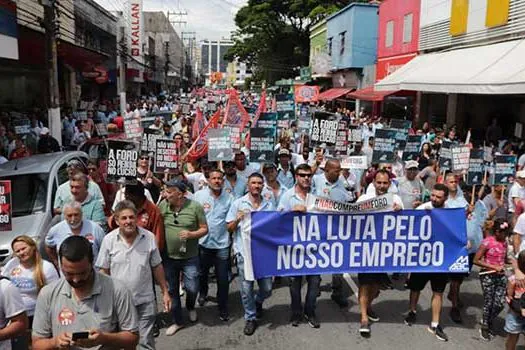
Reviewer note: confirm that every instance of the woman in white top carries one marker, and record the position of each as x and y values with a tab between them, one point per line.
28	271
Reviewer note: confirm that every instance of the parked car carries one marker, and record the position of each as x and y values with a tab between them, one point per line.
34	182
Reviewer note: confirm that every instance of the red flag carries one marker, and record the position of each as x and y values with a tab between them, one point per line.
199	148
235	114
260	109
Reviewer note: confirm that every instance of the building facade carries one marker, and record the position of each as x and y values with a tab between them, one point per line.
212	58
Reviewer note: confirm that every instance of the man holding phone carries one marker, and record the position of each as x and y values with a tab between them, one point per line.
85	308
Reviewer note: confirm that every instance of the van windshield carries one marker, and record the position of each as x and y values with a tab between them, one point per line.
29	193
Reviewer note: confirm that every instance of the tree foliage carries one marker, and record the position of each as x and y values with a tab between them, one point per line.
274	35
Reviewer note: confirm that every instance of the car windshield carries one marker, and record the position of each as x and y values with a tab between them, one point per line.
29	193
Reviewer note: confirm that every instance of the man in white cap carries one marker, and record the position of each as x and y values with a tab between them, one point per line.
47	143
410	187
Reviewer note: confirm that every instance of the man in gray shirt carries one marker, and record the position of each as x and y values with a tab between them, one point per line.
130	254
84	309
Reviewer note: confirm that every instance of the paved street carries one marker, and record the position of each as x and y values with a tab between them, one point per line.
339	328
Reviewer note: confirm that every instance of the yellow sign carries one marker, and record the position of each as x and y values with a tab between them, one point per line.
497	13
459	17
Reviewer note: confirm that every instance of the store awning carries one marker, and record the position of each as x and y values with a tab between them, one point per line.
370	94
332	94
489	69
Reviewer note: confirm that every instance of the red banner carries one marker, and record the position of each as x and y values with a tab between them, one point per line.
260	109
235	114
199	148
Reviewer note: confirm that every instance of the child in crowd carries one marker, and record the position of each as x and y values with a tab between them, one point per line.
515	321
490	257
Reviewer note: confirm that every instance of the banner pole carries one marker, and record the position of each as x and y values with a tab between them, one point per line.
473	194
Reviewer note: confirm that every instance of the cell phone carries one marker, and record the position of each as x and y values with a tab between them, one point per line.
79	335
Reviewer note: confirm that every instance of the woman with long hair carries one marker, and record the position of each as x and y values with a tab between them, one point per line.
28	271
424	157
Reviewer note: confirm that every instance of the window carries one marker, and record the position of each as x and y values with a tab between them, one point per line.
329	46
407	28
342	41
389	39
31	193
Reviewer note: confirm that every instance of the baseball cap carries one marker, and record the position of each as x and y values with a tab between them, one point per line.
284	152
180	185
268	165
411	164
44	131
521	174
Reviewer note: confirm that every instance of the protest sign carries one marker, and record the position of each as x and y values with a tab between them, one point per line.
504	170
412	147
290	244
166	155
384	146
401	138
460	158
341	143
102	129
219	145
475	168
22	126
305	120
355	133
379	203
122	161
149	139
133	127
306	93
285	107
487	154
262	145
445	155
6	210
354	162
267	120
400	124
324	129
80	115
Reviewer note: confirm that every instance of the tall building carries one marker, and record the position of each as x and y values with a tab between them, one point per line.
212	57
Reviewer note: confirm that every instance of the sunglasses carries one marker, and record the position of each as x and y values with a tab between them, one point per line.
175	216
304	175
92	169
144	158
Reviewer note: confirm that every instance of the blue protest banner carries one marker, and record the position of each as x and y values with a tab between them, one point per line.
291	243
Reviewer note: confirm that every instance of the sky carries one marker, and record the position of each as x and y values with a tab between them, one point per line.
210	19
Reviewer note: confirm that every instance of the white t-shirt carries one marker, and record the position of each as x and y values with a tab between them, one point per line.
24	281
371	189
516	191
520	229
11	305
197	180
396	199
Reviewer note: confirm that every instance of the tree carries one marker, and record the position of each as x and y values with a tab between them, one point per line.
274	35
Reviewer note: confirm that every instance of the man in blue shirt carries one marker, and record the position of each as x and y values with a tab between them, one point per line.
253	201
214	248
294	199
234	184
285	171
272	187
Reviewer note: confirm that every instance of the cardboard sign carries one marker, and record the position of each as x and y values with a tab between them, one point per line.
285	103
504	170
22	126
401	138
445	156
6	209
133	127
460	158
262	145
267	120
122	161
475	168
384	146
166	156
341	144
400	124
149	139
354	162
412	147
219	145
324	129
355	133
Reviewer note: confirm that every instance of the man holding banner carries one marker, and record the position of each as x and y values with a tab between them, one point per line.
239	215
438	281
369	283
295	200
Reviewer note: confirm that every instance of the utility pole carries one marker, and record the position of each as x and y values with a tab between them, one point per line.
167	64
190	37
180	14
121	64
52	27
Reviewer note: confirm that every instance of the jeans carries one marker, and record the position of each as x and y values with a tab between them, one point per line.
147	314
190	272
220	258
314	282
247	294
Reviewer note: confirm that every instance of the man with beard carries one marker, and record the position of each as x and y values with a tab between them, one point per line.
273	188
85	308
438	281
233	183
73	225
130	254
214	248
